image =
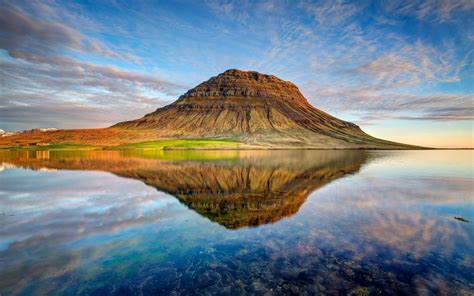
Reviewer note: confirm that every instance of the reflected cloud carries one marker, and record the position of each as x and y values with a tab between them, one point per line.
255	188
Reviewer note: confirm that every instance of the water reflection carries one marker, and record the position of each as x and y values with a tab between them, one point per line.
235	189
355	222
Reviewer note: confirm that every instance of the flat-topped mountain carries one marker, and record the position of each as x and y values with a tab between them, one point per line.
251	109
241	103
257	109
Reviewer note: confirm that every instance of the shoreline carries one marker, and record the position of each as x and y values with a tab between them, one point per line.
22	148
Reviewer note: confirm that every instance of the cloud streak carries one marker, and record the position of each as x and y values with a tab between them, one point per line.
434	11
23	32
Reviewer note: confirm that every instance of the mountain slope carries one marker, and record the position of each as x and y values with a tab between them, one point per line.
254	110
257	109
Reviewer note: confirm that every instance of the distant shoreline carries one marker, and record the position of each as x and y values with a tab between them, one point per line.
43	148
45	142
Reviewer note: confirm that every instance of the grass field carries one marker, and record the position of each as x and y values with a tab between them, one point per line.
182	144
164	144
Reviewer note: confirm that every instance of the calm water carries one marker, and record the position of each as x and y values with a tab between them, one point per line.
301	222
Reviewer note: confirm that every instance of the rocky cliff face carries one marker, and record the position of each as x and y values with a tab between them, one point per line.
244	84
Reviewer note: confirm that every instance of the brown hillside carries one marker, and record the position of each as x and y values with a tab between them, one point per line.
238	102
258	110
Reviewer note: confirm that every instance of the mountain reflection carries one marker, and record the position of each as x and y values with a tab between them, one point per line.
233	188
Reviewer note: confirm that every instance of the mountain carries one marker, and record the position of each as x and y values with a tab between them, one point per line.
250	109
240	103
257	109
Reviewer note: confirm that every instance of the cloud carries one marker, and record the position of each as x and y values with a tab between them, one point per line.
60	113
332	13
439	11
21	31
222	7
99	75
413	64
372	106
445	114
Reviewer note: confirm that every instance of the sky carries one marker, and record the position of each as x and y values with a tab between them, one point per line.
401	70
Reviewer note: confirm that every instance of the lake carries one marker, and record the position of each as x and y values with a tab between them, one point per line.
236	222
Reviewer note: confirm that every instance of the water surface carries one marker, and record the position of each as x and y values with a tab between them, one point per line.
236	222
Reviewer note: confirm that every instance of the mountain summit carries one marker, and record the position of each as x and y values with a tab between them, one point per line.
233	110
256	108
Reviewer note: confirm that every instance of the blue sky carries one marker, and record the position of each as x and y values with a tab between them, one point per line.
402	70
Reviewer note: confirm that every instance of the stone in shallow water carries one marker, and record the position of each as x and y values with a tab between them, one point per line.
461	219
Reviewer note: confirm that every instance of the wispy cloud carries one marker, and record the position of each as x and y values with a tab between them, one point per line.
21	31
370	106
433	11
109	77
332	13
224	7
413	64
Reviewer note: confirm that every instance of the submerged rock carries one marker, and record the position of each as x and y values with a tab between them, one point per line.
461	219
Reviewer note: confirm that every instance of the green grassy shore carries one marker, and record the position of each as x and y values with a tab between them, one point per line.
164	144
